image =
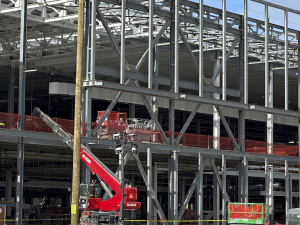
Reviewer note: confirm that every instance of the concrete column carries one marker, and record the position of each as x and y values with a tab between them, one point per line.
8	188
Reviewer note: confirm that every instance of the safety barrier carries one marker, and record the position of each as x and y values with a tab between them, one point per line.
33	123
247	213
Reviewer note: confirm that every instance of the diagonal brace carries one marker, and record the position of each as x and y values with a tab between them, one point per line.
145	178
156	39
110	34
108	110
219	69
212	162
192	188
187	123
236	145
153	116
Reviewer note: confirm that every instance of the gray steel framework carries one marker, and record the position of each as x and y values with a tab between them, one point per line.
183	28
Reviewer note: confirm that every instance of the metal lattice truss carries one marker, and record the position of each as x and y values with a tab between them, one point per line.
52	30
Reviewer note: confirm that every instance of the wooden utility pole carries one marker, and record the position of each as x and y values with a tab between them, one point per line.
77	120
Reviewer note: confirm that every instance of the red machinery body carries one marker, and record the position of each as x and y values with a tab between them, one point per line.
112	204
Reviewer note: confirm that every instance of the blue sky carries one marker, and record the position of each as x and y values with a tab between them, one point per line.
256	10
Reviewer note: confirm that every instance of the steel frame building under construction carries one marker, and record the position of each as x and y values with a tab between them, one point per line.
168	57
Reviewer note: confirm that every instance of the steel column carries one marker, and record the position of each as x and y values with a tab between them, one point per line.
155	191
271	194
291	191
216	200
122	59
287	188
176	56
286	61
201	75
299	111
224	25
21	111
267	187
154	99
150	43
246	51
171	188
149	187
11	89
245	180
266	53
199	194
269	103
175	186
8	190
224	193
216	117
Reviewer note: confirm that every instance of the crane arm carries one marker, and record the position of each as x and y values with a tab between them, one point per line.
96	166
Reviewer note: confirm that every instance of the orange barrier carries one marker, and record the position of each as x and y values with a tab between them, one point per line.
33	123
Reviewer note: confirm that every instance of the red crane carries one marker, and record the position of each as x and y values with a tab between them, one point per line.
94	207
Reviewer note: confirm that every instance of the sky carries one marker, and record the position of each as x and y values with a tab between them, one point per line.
256	10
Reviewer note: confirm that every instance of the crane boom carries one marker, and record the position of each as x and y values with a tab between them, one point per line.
98	168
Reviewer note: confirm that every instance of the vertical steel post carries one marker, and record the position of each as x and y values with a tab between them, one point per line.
122	59
155	191
93	39
266	53
270	126
267	185
150	43
175	174
199	194
291	191
246	51
299	109
245	180
286	61
154	99
224	25
201	75
21	111
176	59
11	88
216	200
224	188
149	187
171	188
287	188
216	117
8	190
271	194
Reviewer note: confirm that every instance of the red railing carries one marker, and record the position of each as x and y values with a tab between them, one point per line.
33	123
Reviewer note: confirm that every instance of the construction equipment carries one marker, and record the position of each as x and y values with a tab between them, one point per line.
94	210
247	213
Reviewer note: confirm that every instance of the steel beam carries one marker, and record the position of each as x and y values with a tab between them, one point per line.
191	98
218	178
149	187
145	178
187	123
123	44
224	41
201	74
164	81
